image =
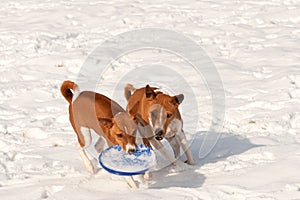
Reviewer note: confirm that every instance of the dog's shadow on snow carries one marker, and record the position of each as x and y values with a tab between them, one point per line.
218	147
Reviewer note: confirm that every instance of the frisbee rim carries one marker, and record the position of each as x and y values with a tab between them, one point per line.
120	173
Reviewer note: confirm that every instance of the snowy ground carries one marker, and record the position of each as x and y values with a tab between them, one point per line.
255	46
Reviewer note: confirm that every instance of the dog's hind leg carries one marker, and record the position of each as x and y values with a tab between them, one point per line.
85	155
87	162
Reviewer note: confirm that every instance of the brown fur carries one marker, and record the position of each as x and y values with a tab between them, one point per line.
95	111
147	101
139	103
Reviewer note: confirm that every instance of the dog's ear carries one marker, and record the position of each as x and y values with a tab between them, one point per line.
107	123
149	92
177	99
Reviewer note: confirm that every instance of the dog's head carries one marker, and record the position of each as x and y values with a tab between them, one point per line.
121	131
162	109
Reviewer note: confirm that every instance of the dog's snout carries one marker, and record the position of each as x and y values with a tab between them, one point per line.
131	151
159	134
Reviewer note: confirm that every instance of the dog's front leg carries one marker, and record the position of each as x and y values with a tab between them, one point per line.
175	145
160	147
99	146
177	165
146	132
181	139
131	182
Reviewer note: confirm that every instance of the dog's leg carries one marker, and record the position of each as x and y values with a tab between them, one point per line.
83	151
180	137
131	182
147	175
175	145
146	132
99	146
87	162
177	165
171	136
160	147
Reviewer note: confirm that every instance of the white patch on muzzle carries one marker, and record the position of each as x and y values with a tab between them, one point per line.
159	121
174	126
129	147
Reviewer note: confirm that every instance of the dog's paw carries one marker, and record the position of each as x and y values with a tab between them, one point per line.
131	182
144	180
90	169
190	162
147	176
178	166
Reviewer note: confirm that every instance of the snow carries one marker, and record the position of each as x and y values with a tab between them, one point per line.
255	48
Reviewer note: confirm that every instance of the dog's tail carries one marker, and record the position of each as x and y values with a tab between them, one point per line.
128	90
68	88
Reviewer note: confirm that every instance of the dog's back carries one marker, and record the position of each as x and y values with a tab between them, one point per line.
89	107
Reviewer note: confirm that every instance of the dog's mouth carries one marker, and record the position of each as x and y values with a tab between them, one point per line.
131	151
159	134
158	138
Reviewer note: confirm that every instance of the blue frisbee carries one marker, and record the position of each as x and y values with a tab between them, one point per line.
116	161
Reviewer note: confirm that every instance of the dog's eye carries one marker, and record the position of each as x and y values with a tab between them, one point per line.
169	115
119	135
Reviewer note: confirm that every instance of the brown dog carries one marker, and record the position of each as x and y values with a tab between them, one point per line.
92	111
160	111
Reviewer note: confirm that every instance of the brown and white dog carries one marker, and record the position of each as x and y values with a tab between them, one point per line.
147	106
92	111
